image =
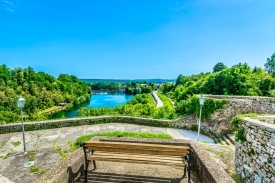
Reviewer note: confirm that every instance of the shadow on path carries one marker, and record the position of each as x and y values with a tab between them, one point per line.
112	177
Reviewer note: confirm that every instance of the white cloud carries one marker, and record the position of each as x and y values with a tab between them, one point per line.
8	5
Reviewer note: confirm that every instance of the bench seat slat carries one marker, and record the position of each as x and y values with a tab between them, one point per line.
140	151
144	156
135	145
138	160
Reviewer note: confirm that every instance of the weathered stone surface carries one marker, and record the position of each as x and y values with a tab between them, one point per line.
258	151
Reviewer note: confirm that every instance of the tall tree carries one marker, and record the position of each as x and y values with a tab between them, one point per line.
270	64
218	67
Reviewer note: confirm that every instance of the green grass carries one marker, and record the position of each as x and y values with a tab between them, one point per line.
150	99
54	108
16	143
87	137
166	101
37	170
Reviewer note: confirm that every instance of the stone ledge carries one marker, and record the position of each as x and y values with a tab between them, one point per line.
256	122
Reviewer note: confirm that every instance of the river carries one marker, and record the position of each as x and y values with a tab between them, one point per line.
103	99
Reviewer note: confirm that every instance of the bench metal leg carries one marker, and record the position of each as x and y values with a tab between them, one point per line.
184	174
189	166
94	163
87	162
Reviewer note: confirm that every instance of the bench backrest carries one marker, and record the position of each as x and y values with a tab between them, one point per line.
137	148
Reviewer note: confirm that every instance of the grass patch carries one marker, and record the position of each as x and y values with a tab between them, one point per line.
16	143
37	170
165	100
54	108
32	153
236	178
87	137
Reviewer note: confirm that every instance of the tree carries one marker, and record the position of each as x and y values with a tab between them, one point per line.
270	65
218	67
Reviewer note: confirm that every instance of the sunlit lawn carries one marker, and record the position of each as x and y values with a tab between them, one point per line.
54	108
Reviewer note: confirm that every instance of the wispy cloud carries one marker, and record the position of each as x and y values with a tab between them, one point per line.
8	5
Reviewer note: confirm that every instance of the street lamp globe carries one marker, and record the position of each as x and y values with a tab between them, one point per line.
202	99
20	102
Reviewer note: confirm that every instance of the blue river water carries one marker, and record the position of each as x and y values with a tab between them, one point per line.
97	100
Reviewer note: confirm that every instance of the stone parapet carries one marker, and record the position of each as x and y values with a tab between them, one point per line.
255	157
31	126
219	122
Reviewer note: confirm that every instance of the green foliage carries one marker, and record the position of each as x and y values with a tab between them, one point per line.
16	143
37	170
236	178
87	137
219	67
58	149
166	101
73	147
240	79
32	153
129	87
141	99
191	105
141	105
237	120
240	135
40	90
251	152
270	64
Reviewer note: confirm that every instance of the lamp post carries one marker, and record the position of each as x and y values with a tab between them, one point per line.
202	99
21	103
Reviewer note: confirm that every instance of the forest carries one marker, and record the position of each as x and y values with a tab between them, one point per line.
240	79
43	91
130	88
40	90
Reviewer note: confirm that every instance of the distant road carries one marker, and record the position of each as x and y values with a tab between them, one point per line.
158	101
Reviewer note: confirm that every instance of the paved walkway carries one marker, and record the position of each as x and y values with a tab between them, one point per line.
44	140
159	102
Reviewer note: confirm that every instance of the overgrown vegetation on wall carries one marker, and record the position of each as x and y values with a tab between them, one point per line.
191	105
235	125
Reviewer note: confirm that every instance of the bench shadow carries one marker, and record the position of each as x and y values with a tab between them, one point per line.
124	178
74	175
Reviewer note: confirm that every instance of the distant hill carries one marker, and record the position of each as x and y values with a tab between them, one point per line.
128	80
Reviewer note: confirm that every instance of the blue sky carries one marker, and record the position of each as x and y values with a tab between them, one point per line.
135	39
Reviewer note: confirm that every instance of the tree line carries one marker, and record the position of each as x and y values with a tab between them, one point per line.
131	88
40	90
240	79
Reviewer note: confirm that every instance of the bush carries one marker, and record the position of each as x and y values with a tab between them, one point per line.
87	137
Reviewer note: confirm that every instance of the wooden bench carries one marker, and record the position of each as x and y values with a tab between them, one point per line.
139	153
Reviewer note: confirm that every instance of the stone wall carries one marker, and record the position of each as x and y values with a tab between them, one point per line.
255	157
219	123
186	122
